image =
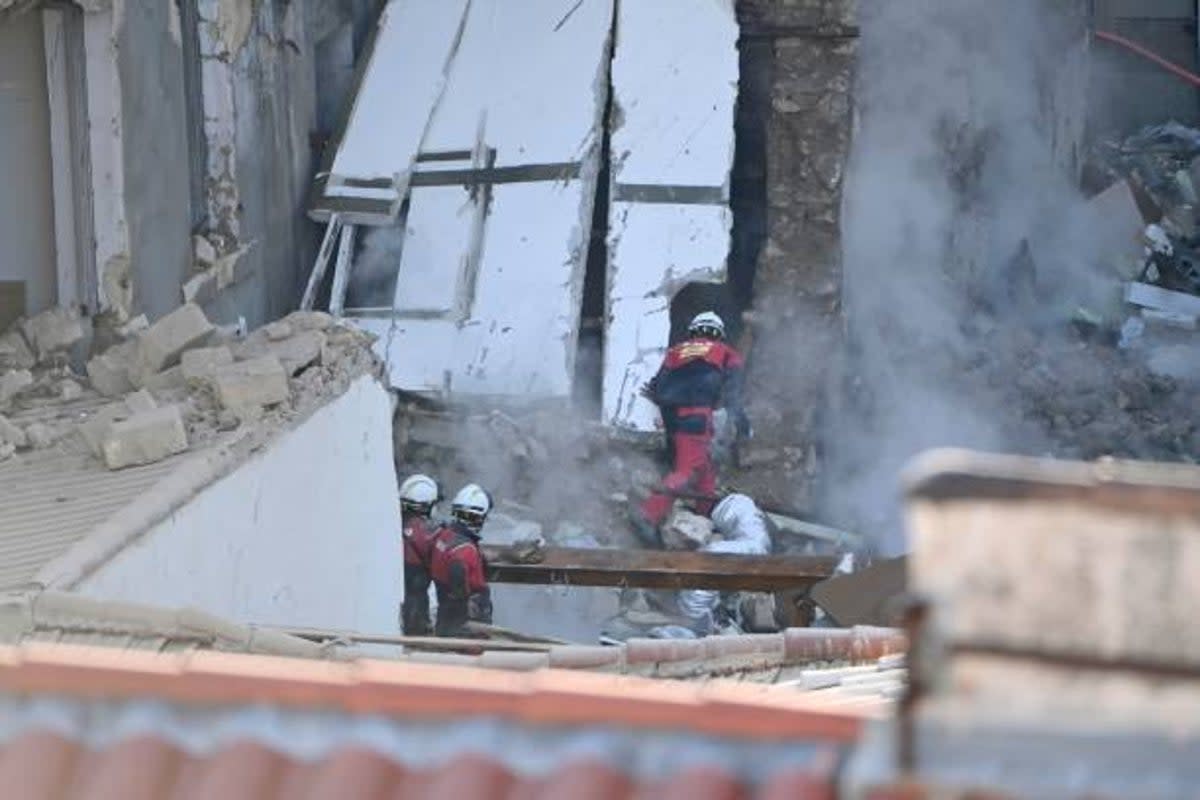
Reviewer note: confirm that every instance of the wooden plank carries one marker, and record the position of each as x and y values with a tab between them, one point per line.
654	569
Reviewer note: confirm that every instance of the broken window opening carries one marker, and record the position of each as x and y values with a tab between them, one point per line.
748	180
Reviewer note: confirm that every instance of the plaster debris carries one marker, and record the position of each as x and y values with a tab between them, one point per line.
145	438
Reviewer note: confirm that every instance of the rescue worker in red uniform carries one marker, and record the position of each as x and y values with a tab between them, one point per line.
418	496
698	376
458	567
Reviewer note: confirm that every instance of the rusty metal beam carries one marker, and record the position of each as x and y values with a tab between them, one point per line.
654	569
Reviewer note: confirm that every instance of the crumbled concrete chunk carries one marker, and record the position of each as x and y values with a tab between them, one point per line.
145	438
299	351
684	530
15	352
53	331
40	436
247	385
95	429
6	451
140	402
162	344
12	434
109	372
277	331
200	365
309	321
13	382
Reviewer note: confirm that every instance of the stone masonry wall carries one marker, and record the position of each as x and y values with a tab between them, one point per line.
797	323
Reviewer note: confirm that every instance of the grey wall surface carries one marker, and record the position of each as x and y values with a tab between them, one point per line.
157	174
26	212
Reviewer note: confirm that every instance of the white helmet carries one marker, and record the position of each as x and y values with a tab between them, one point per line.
418	494
707	324
471	506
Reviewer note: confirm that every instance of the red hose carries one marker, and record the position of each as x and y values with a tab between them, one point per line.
1174	69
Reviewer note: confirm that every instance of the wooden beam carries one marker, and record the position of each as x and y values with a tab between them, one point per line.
656	569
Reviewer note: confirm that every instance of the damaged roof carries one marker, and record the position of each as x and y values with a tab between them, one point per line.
229	725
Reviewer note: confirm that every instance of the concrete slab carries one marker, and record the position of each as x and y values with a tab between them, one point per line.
415	39
490	270
671	152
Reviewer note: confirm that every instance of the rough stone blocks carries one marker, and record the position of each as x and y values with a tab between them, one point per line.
251	384
145	438
162	344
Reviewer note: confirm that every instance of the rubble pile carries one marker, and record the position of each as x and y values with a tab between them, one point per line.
165	387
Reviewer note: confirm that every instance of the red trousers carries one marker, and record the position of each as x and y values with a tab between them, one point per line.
694	474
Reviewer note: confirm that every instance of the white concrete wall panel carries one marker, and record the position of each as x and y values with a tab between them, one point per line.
529	81
306	533
674	77
399	90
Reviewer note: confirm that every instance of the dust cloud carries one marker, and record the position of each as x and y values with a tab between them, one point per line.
963	245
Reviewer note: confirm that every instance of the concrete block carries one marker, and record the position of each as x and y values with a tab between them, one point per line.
684	530
13	382
109	372
140	402
162	344
53	331
95	429
12	434
15	352
252	384
204	251
299	351
201	364
145	438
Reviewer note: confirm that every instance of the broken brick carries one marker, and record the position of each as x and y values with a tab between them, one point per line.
163	343
145	438
201	363
251	384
